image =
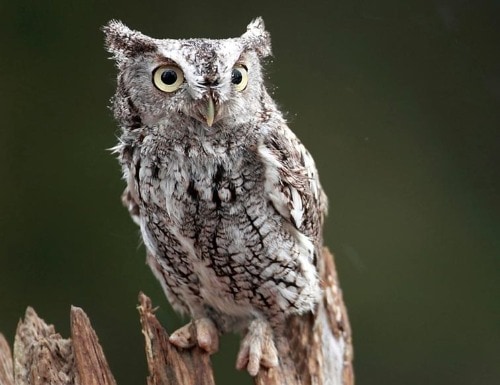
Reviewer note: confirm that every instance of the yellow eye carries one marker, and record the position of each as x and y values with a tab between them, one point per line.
239	77
168	78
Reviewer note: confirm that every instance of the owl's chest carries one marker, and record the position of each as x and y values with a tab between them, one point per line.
192	188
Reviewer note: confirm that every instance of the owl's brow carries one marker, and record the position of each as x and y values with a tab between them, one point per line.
164	60
242	59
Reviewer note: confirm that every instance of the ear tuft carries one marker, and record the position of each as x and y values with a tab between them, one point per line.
124	42
258	38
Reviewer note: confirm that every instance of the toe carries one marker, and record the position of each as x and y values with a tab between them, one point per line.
269	357
207	335
254	358
183	337
242	359
257	348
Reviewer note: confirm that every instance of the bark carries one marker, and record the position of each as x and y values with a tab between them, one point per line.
166	363
6	364
316	349
90	363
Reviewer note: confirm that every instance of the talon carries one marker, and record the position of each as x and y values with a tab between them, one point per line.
207	335
269	357
201	331
257	348
183	337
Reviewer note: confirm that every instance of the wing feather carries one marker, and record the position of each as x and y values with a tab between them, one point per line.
292	184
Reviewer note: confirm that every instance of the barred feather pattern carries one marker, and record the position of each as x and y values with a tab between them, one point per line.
230	212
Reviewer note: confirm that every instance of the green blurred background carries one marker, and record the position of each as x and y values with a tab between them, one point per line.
399	102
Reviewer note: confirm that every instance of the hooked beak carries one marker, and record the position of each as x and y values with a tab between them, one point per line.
210	111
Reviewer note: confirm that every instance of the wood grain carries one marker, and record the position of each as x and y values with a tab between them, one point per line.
316	349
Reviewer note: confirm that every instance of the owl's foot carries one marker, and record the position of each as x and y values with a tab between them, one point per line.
257	348
201	332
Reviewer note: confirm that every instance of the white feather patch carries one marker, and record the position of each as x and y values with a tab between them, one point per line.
297	210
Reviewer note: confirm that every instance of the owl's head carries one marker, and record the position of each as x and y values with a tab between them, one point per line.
208	80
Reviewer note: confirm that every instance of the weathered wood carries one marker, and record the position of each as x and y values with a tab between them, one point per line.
6	365
316	349
91	364
167	364
42	356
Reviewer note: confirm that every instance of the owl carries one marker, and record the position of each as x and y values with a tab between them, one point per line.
228	200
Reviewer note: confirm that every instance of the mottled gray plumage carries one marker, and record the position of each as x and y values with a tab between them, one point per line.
227	198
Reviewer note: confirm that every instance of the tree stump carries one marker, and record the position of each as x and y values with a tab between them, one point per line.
316	350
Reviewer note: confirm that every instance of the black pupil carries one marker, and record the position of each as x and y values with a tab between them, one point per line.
236	76
168	77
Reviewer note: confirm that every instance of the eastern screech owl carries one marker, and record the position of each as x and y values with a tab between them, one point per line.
227	198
